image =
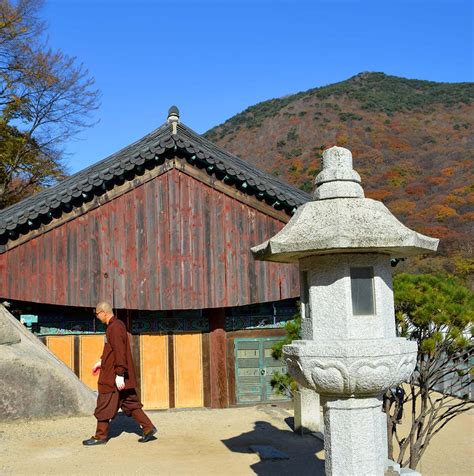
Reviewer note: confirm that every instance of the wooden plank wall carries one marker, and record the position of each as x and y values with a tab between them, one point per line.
170	243
90	351
173	371
218	371
162	383
63	348
188	374
154	371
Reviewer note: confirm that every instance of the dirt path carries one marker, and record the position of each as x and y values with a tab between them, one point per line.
199	442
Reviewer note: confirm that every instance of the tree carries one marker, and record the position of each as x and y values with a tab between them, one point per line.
45	99
438	313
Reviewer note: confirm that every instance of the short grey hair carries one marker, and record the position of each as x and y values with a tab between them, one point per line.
104	306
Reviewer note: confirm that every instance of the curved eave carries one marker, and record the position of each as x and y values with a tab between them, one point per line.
269	251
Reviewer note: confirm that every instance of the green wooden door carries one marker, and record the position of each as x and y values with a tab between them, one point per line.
254	368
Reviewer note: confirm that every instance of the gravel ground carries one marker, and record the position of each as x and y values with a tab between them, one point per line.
196	442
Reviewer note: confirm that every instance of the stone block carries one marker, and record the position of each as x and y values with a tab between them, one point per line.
307	411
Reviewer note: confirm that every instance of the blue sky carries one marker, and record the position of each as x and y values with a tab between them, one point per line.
215	58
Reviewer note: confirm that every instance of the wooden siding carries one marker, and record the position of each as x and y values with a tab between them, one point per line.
217	360
171	369
170	243
188	366
154	371
63	348
90	351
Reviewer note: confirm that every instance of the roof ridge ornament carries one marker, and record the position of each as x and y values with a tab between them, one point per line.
173	119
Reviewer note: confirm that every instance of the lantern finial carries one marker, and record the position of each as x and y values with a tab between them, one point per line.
337	179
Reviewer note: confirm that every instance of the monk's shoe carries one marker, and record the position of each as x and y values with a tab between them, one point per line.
93	441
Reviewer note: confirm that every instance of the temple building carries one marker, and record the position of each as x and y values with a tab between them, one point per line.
162	229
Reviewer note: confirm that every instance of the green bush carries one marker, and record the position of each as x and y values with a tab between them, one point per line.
284	384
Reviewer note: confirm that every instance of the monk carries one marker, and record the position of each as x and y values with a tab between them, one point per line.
117	384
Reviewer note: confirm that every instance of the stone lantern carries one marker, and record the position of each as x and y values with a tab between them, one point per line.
349	354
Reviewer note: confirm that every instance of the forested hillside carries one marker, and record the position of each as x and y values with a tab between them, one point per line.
412	143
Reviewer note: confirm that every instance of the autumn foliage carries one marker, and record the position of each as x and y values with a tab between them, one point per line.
411	141
46	98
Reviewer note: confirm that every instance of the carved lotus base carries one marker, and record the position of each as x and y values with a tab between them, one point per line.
359	367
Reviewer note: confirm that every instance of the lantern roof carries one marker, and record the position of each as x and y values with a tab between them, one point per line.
340	219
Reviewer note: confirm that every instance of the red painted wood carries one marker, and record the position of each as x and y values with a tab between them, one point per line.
218	359
171	243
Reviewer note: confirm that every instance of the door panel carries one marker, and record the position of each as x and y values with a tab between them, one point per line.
154	371
188	370
271	366
90	350
247	366
254	370
63	348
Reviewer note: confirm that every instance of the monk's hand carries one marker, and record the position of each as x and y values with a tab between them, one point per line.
97	367
120	382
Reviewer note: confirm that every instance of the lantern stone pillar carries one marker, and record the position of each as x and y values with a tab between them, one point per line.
349	354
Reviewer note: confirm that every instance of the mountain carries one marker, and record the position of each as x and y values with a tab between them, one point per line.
412	143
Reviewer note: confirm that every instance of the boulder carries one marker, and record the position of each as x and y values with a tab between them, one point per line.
34	382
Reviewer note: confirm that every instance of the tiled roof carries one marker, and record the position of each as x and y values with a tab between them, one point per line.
81	186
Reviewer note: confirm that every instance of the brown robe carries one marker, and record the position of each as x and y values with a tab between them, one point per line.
116	358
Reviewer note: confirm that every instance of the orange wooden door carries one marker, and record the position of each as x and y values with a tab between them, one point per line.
63	348
154	371
90	350
188	378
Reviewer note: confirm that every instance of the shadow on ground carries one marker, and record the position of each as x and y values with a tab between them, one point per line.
301	450
123	424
